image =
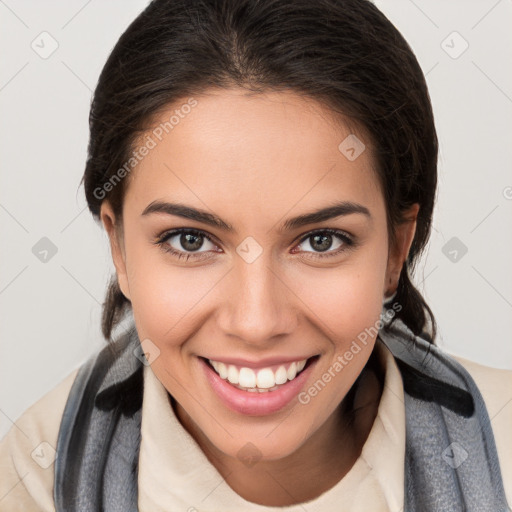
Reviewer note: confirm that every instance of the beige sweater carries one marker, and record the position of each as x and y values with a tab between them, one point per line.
174	474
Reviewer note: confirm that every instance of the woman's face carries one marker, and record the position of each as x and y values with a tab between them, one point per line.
255	282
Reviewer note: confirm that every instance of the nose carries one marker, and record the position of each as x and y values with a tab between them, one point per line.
259	303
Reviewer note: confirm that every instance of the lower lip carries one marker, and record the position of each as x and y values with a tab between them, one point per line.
256	403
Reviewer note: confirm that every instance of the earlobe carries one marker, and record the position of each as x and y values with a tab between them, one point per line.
115	235
404	237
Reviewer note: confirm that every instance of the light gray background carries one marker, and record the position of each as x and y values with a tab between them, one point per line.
50	311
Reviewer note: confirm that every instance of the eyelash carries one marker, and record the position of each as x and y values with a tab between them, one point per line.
161	241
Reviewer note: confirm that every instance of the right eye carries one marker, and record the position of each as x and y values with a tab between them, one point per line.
185	243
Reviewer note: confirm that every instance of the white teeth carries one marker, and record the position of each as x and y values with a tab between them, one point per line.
292	371
222	371
262	380
247	378
220	368
281	375
265	378
232	374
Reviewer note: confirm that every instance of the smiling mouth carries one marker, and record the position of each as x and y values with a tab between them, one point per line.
263	380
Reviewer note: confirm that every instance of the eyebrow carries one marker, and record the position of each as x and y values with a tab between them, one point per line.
180	210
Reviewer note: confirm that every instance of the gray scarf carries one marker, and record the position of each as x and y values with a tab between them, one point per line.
451	462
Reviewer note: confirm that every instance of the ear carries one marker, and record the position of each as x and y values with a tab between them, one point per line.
116	238
399	251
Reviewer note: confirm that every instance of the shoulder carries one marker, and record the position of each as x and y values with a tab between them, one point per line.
27	452
495	385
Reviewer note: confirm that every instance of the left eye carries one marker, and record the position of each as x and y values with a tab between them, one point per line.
323	241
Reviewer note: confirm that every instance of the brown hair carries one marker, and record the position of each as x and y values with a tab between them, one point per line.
343	53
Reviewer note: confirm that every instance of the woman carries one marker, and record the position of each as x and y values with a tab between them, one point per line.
266	174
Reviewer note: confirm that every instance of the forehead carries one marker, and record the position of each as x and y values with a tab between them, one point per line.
260	153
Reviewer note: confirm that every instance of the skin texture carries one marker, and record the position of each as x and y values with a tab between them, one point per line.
255	161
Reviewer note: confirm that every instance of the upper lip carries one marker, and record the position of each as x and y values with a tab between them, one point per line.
261	363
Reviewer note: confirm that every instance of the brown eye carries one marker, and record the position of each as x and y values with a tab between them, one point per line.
185	242
330	242
191	241
320	242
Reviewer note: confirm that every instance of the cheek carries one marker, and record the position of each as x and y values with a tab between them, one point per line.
347	299
165	298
